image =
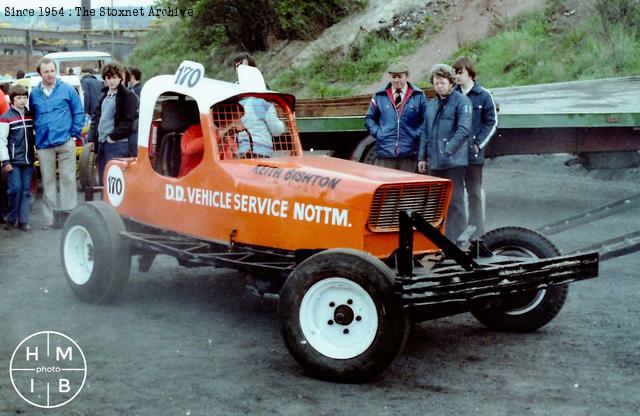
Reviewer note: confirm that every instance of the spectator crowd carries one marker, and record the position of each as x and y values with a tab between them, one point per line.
46	125
445	136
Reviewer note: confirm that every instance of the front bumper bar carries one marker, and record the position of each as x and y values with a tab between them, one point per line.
451	285
480	277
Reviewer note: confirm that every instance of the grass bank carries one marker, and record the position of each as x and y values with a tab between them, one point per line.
557	44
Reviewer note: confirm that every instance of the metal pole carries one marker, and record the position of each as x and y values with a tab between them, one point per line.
28	41
405	246
112	33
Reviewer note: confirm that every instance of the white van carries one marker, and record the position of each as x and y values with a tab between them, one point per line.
71	63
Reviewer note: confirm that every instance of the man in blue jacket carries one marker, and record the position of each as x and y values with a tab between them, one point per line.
483	126
92	90
58	116
395	119
444	143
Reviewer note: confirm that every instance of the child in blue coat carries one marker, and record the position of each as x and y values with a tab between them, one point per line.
17	153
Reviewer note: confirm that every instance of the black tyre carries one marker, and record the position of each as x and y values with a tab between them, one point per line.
95	258
168	160
369	156
339	316
528	311
88	169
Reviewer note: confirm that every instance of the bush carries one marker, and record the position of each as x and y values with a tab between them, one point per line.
302	19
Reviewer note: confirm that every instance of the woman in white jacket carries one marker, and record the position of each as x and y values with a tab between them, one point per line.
260	121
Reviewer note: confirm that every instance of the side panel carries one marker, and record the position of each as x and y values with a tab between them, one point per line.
237	201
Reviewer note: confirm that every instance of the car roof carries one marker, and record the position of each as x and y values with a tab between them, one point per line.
71	56
33	82
206	92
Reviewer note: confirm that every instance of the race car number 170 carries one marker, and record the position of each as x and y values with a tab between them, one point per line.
189	73
115	185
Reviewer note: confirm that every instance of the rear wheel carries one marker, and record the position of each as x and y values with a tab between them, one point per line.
528	311
88	170
369	155
339	316
95	258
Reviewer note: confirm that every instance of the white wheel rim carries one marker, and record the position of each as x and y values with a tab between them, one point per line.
338	318
78	254
522	252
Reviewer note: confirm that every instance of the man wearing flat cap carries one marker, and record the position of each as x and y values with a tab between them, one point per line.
395	119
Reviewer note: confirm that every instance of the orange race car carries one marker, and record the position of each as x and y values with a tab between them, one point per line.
355	252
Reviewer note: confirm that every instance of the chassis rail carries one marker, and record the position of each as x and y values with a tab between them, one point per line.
197	253
471	277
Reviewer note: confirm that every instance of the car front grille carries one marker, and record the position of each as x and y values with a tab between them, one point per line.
427	199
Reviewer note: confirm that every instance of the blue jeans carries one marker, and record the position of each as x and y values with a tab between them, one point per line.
108	151
19	194
4	188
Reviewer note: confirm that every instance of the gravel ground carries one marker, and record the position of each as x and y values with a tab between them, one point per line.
195	342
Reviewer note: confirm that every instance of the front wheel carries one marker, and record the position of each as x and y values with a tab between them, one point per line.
527	311
339	316
95	258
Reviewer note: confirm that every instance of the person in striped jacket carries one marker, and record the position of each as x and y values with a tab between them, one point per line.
17	153
484	124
